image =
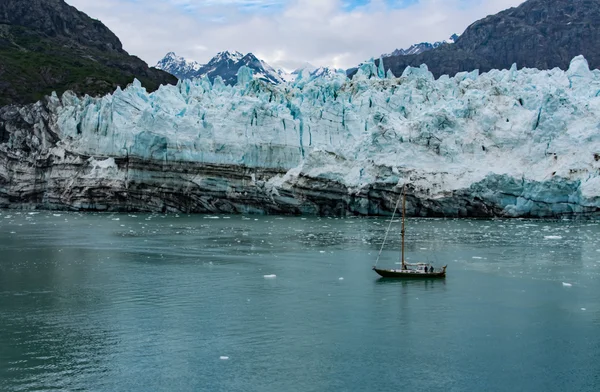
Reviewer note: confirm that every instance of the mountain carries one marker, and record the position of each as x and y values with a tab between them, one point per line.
422	47
224	64
47	45
306	69
505	143
227	64
323	72
179	66
412	50
540	34
309	71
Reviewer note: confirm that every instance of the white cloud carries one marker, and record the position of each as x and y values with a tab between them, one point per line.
321	32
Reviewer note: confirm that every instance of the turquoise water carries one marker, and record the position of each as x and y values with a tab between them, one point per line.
152	303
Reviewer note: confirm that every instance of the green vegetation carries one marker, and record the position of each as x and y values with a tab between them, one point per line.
33	65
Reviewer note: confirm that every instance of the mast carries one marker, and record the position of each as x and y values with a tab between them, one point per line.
403	214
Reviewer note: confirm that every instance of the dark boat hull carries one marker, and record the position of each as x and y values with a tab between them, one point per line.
409	275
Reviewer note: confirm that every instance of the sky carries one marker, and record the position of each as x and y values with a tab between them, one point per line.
284	33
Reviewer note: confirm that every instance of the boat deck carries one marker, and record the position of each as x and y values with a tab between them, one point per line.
411	274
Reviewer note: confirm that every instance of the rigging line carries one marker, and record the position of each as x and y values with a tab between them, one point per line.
387	231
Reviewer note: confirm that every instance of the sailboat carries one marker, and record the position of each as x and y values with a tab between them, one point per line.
408	271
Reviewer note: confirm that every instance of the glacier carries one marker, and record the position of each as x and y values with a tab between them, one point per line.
507	143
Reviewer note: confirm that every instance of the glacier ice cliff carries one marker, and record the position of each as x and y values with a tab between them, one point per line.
516	143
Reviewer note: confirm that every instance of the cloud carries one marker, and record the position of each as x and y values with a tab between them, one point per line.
285	33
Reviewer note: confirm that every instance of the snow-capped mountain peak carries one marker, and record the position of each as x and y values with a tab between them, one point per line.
308	72
322	72
178	66
171	56
224	64
422	47
304	67
227	64
227	56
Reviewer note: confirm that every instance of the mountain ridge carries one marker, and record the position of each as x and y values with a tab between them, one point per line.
540	34
421	47
178	66
48	45
224	64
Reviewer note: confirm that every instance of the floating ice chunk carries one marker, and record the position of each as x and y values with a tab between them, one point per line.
583	309
56	214
341	279
270	276
322	251
477	257
567	284
552	237
223	358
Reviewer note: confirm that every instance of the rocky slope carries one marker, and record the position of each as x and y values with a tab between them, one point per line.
507	143
47	45
540	34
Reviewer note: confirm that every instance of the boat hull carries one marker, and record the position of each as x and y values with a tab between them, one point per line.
409	275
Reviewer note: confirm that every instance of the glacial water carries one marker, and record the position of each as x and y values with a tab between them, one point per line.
110	302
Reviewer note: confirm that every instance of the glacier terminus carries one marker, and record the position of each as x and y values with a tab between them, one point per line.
511	143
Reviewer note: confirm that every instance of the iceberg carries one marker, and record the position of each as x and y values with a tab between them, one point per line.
513	143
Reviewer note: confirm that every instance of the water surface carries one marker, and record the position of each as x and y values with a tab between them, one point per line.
112	302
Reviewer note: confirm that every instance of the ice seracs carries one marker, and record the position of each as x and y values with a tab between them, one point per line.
504	143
